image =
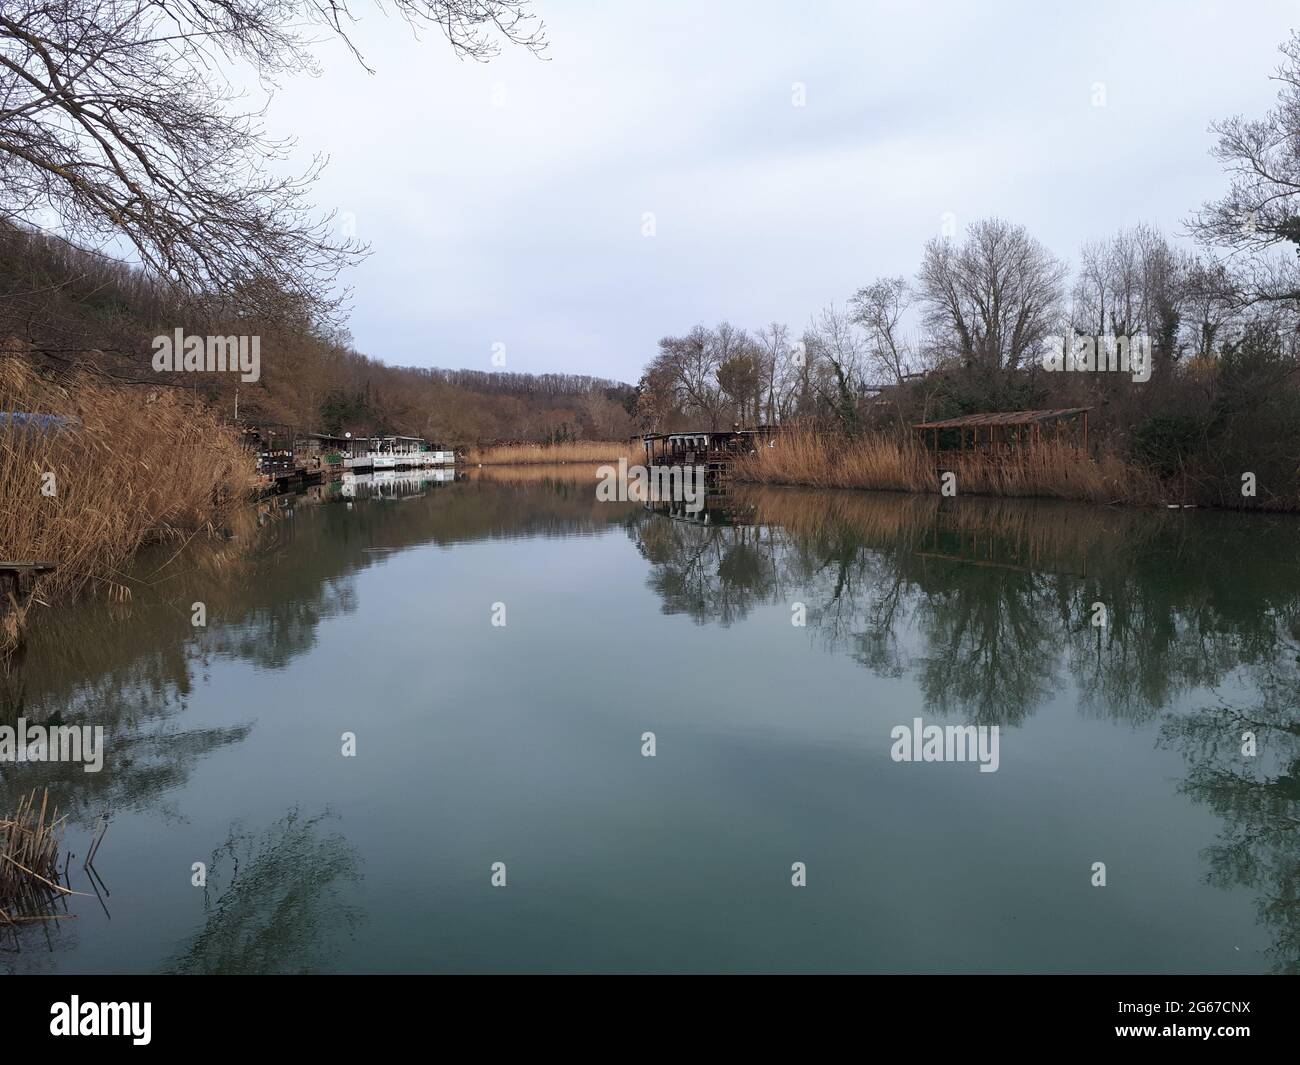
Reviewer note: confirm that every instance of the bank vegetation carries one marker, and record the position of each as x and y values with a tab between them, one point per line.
103	469
1212	411
588	451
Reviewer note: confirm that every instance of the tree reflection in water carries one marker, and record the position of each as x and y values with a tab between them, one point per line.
986	605
1257	796
275	900
989	605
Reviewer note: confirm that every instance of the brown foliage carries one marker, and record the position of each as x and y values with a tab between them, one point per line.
135	465
538	454
880	461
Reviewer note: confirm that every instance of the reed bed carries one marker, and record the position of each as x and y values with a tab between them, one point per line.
1052	469
533	454
578	472
29	862
136	465
802	457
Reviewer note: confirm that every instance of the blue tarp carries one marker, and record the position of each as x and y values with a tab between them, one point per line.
20	420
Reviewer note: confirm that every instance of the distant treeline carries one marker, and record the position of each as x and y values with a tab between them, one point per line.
984	323
117	134
527	384
69	307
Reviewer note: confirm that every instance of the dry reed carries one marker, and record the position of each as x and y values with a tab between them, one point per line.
532	454
578	472
136	465
29	857
1052	469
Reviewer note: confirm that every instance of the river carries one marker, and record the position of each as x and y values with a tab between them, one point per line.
497	725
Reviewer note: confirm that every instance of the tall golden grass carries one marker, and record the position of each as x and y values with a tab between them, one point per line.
1051	469
531	473
532	454
138	465
29	871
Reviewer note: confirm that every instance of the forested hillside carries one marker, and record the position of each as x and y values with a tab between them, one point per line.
67	306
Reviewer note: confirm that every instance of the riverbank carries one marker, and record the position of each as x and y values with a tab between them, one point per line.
116	466
1052	470
550	454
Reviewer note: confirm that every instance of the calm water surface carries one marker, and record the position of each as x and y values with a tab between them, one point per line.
522	743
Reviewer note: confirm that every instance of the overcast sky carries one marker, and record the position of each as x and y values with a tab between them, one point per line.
504	202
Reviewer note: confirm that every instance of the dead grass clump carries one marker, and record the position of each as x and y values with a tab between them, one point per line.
1052	469
29	866
531	473
532	454
134	465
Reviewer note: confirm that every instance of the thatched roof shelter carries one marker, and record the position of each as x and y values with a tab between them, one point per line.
1005	429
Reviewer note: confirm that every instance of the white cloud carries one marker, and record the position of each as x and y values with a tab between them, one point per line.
522	222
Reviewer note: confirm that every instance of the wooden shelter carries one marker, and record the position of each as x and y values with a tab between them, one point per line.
706	447
318	445
1005	430
273	442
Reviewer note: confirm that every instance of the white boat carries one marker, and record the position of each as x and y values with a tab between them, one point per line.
395	453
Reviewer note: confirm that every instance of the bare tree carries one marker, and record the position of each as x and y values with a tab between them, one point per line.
740	380
991	300
1134	283
838	352
1212	305
879	308
1261	208
804	365
118	120
737	372
774	362
657	402
689	366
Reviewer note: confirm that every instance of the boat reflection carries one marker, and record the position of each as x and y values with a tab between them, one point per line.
393	484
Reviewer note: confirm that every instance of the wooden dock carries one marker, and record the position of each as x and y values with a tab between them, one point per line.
21	576
292	479
16	570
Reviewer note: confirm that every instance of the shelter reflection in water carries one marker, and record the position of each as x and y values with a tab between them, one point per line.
718	507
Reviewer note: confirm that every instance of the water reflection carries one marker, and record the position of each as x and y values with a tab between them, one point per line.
267	585
392	484
274	901
1257	796
990	607
990	603
985	607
